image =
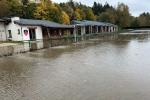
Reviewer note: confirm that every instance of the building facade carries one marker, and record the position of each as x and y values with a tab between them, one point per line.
32	31
37	34
93	27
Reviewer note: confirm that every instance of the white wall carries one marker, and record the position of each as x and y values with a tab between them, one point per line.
21	37
2	32
39	34
38	31
14	30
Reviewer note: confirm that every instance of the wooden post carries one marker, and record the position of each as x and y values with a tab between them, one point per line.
48	33
97	30
82	32
75	33
89	30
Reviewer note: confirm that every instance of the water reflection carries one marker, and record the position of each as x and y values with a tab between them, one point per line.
116	69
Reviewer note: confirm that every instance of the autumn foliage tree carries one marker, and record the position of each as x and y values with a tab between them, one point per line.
65	18
66	12
42	10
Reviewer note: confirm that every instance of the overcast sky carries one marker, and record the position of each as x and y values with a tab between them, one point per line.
136	6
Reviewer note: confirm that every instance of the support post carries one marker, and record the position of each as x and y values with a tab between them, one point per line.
48	33
75	33
97	29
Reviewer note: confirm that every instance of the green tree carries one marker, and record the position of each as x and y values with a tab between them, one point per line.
109	16
5	8
134	22
123	15
25	2
15	8
89	14
30	9
55	13
144	19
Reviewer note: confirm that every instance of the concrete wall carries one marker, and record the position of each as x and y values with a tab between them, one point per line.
2	32
13	49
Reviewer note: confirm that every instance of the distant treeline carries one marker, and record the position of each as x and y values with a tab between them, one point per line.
65	12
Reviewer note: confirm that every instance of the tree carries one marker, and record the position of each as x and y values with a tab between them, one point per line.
109	16
15	8
95	8
123	15
42	10
99	8
144	19
106	6
89	14
77	15
65	18
26	9
48	11
25	2
134	22
29	12
54	13
5	8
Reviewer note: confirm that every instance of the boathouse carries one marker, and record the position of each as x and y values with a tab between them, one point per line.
31	31
37	34
43	31
93	27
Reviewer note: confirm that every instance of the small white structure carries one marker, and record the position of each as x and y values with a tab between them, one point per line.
16	32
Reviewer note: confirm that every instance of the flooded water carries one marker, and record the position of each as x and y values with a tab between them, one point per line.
91	70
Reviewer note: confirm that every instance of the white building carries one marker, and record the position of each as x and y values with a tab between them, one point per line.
29	30
10	30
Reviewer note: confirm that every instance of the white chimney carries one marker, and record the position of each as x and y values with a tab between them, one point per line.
14	19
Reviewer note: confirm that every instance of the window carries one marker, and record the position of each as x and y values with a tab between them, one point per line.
18	31
9	34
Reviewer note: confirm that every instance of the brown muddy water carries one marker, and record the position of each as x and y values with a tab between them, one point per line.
92	70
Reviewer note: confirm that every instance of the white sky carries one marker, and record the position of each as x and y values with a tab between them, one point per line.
136	6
